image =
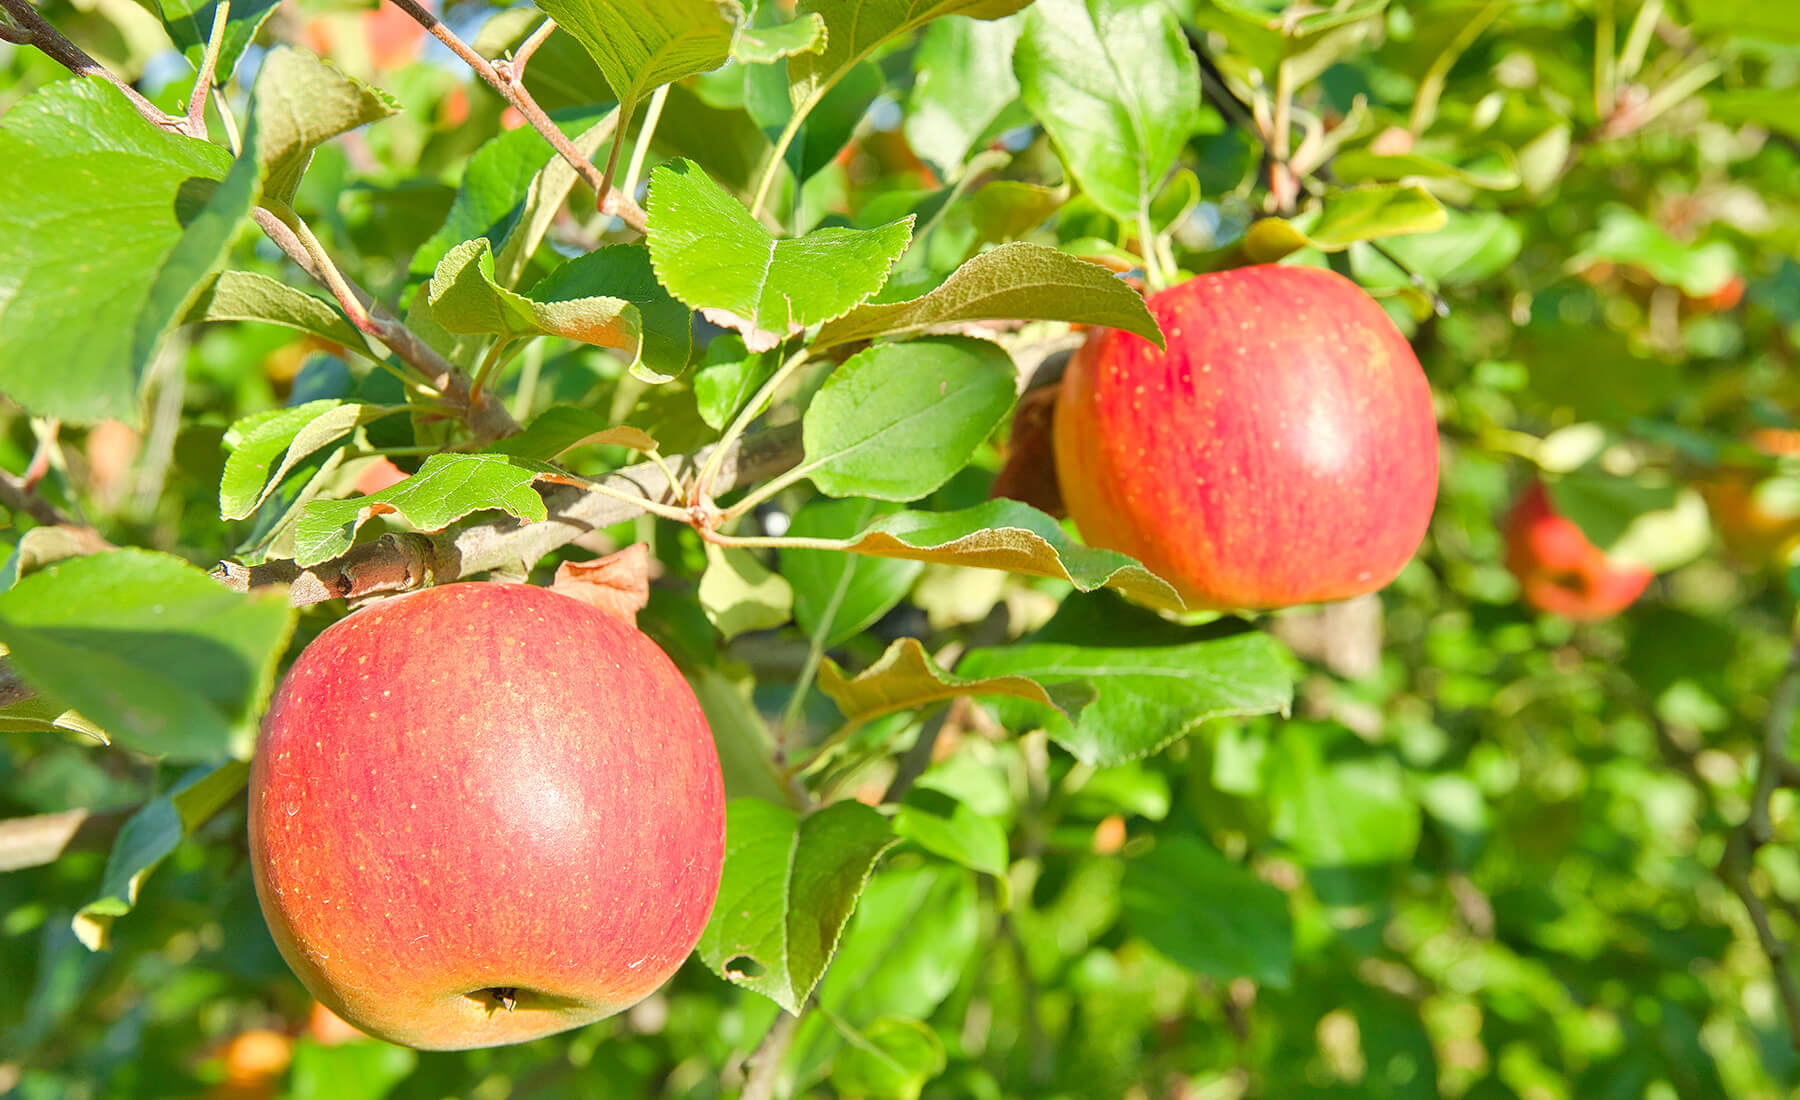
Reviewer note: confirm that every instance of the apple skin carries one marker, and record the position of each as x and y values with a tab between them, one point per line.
1560	571
1282	450
478	790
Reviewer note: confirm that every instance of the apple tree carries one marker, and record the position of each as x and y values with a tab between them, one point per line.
777	327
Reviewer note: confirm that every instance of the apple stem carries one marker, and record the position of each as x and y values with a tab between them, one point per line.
1155	277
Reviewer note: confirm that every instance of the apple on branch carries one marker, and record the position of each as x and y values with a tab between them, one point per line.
484	813
1281	450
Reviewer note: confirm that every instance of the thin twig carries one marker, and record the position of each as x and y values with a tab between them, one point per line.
1758	829
40	457
32	30
530	46
918	757
765	1062
398	563
17	496
506	78
487	418
209	64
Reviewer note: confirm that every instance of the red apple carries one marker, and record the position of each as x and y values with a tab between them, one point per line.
1282	450
483	813
1560	571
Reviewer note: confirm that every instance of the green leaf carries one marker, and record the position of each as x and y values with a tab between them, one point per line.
914	934
730	378
510	190
1370	213
192	264
1776	109
355	1070
898	420
766	45
746	748
854	28
1118	89
300	102
1004	534
828	126
1018	281
1307	39
1627	237
713	255
891	1059
190	23
1208	914
288	434
40	714
154	651
640	44
150	835
846	592
906	678
1337	803
562	428
790	883
1146	698
944	826
77	242
1470	248
963	88
1492	168
623	271
1645	520
1748	19
250	296
446	488
465	299
739	594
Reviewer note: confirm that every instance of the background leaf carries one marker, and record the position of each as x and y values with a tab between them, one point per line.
1146	698
1209	914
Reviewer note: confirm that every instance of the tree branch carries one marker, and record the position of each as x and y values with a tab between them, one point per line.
507	78
765	1063
34	31
1773	769
401	562
486	417
16	495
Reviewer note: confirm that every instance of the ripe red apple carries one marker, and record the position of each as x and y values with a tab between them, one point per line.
483	813
1282	450
1560	571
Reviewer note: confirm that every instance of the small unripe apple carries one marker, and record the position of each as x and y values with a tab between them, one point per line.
483	813
1756	510
1560	571
254	1062
1281	450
